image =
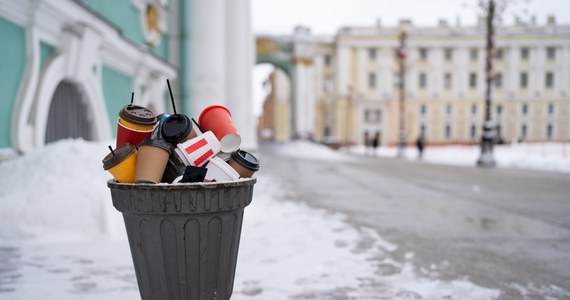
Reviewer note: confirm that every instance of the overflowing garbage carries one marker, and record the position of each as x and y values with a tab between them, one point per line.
175	148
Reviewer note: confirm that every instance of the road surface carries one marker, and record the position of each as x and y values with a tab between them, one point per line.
500	228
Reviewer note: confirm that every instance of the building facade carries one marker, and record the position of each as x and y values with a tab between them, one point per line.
357	83
358	80
68	66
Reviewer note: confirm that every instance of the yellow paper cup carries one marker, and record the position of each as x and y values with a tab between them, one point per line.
122	163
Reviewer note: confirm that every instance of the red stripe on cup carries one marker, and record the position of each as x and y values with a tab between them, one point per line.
199	144
203	158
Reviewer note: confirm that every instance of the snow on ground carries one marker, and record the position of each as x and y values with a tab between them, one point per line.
60	238
542	156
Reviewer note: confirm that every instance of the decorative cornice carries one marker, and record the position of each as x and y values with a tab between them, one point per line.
297	60
265	46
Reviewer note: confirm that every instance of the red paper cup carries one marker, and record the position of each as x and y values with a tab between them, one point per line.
218	119
128	135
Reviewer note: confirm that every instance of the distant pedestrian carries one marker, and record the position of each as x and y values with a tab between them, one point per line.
420	143
375	143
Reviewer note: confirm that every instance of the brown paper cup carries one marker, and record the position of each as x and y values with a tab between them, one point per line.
151	161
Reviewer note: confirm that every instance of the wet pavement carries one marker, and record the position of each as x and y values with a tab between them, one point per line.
498	228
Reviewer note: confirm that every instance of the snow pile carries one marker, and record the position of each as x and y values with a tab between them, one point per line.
59	190
541	156
310	150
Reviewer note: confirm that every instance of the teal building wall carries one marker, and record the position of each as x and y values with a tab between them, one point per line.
12	64
127	18
116	91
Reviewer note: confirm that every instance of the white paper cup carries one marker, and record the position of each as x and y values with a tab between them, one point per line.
224	156
220	171
199	150
230	142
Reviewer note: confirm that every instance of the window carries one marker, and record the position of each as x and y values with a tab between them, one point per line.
447	81
472	80
448	109
448	54
396	80
327	84
423	110
473	54
474	109
523	131
327	60
473	132
524	53
550	53
549	131
423	80
499	54
551	108
372	54
423	130
371	80
499	80
372	115
423	53
499	110
524	80
525	109
549	80
448	131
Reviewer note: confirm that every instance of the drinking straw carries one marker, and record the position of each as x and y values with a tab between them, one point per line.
111	148
171	97
132	97
196	123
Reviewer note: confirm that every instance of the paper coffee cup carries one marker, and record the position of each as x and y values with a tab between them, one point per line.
244	163
135	123
219	171
176	129
151	161
122	163
217	118
200	149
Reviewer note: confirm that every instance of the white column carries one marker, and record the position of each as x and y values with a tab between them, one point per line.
311	96
240	61
207	78
300	98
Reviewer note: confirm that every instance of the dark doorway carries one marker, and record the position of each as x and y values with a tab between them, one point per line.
69	115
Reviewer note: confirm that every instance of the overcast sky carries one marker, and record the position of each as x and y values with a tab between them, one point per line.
327	16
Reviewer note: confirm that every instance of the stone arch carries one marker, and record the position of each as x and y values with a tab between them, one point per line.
52	76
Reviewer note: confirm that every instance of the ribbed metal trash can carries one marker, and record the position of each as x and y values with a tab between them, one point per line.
184	238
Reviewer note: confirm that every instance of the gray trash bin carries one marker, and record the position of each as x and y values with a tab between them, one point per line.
184	238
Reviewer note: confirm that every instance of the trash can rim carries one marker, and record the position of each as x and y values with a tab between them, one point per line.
113	184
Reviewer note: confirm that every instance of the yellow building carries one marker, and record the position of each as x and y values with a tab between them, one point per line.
357	83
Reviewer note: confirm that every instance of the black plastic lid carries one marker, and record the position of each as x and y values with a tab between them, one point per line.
137	115
245	159
157	143
176	128
121	154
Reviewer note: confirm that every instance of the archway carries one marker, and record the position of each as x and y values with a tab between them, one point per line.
69	115
273	89
272	94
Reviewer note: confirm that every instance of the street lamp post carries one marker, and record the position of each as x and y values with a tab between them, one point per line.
401	60
488	136
347	129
